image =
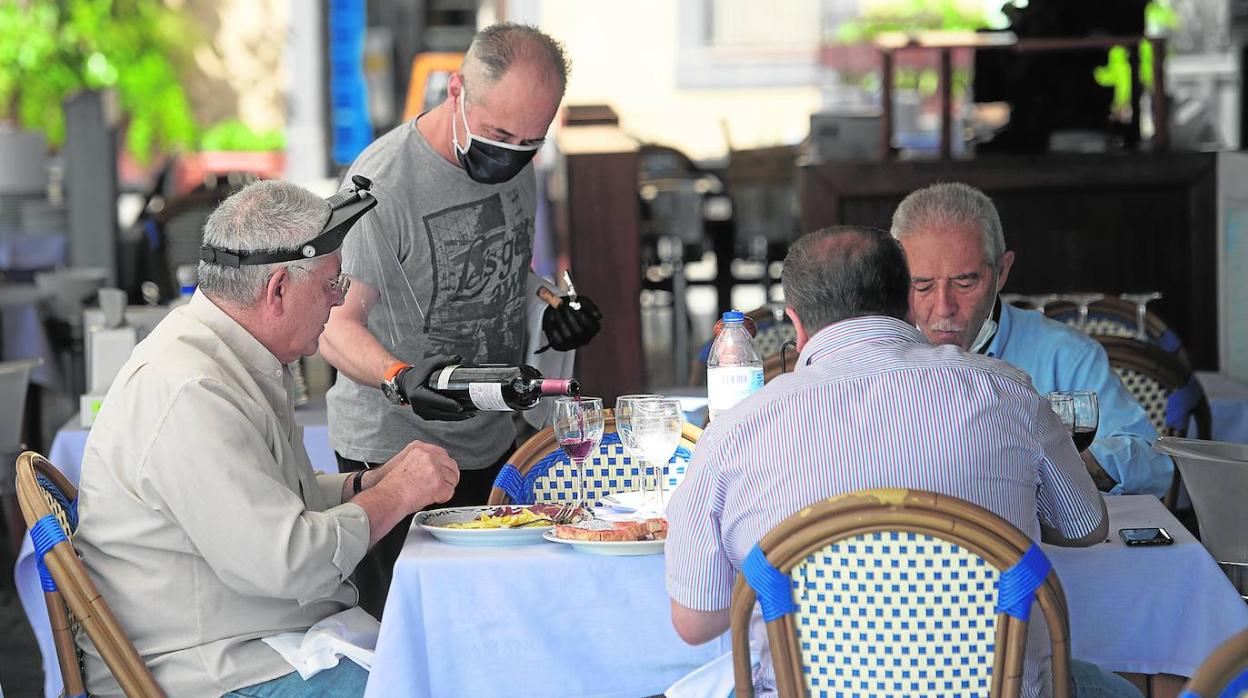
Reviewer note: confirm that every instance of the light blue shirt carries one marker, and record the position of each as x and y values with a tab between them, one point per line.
1059	357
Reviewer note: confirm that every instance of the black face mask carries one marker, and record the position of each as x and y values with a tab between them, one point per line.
487	161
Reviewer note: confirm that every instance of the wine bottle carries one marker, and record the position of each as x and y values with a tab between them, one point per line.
498	387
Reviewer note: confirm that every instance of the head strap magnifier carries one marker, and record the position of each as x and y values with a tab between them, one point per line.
345	208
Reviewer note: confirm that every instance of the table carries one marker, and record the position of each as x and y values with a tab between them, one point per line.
545	620
1228	405
66	454
22	335
535	620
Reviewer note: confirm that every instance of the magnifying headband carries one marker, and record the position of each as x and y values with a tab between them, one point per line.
345	208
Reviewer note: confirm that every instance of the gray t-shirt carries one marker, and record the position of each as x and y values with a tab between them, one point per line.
455	249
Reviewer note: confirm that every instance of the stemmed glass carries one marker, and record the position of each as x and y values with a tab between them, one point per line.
657	425
1040	301
624	427
578	424
1141	301
1082	301
1080	414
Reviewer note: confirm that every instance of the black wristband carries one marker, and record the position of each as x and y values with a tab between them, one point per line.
357	482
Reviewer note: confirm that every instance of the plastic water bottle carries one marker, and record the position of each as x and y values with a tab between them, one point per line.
186	274
734	369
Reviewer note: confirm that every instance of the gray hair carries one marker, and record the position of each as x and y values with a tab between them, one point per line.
844	272
499	46
265	216
952	205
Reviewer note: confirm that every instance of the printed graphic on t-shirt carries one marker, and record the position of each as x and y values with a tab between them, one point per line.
478	280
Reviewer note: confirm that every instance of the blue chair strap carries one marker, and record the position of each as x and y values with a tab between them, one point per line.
509	481
45	535
773	588
1234	688
1181	403
1169	341
1018	584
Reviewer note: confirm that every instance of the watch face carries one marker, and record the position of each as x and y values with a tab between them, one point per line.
391	391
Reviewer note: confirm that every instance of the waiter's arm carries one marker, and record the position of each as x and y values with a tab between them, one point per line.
347	343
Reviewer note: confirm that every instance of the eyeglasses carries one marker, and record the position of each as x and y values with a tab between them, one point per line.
339	284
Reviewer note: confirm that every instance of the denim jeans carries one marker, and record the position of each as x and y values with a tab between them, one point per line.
346	680
1091	681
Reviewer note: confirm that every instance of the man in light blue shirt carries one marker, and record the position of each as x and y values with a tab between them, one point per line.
958	263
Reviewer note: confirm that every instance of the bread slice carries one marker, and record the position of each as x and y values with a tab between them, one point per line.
598	530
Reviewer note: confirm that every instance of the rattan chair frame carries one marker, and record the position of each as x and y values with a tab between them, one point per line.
1220	668
542	443
1122	311
76	593
1168	370
910	511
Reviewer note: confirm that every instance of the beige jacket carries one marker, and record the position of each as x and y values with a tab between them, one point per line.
202	521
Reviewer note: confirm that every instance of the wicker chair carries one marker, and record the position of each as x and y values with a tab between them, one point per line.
1224	674
1114	317
1165	387
49	502
842	579
540	472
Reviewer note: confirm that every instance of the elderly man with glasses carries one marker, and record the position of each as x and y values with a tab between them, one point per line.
201	519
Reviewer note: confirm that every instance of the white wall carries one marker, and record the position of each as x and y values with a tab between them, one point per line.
625	54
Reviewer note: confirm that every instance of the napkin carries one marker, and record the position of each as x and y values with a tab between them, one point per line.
629	506
351	633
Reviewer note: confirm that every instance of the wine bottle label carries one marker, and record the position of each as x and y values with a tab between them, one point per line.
488	397
444	377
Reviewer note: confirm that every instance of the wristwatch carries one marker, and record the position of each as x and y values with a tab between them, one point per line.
390	383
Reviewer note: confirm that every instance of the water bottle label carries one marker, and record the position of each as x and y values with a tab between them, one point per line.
728	385
488	397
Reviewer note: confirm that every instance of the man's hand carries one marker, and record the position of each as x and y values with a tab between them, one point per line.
426	403
421	474
1104	482
566	327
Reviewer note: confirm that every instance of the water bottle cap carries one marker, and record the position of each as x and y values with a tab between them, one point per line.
734	316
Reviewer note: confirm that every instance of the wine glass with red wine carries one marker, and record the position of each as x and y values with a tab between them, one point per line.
578	424
1087	416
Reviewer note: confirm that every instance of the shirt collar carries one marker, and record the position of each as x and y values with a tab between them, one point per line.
1004	323
841	336
241	342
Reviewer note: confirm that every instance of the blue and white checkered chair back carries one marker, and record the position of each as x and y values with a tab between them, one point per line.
892	614
608	471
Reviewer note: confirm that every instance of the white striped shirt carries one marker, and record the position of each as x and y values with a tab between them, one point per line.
873	404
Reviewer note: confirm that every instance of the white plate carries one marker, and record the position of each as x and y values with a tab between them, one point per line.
429	521
610	547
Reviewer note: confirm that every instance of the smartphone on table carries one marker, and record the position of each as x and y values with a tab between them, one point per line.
1145	536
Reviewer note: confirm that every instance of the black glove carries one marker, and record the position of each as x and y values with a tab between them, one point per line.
567	328
426	403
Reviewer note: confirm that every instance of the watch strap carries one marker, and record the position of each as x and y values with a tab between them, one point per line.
393	370
357	482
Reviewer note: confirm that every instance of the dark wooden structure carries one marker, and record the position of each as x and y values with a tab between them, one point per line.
1123	222
601	245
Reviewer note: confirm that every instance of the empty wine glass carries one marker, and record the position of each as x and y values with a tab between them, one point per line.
657	425
1041	301
624	427
1141	301
1086	416
1082	301
578	424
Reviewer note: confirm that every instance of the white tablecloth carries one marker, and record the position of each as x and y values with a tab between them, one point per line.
22	335
66	454
544	620
1149	610
1228	404
527	622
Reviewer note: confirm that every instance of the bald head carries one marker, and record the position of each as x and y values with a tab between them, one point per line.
500	47
839	273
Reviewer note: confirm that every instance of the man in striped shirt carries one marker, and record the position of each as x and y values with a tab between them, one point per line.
871	404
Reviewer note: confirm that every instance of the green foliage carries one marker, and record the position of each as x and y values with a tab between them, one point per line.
50	49
236	135
908	16
1116	73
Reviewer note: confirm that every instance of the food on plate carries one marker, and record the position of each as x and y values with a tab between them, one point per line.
616	531
522	517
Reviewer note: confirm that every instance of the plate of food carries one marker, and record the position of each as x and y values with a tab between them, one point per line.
640	537
496	525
